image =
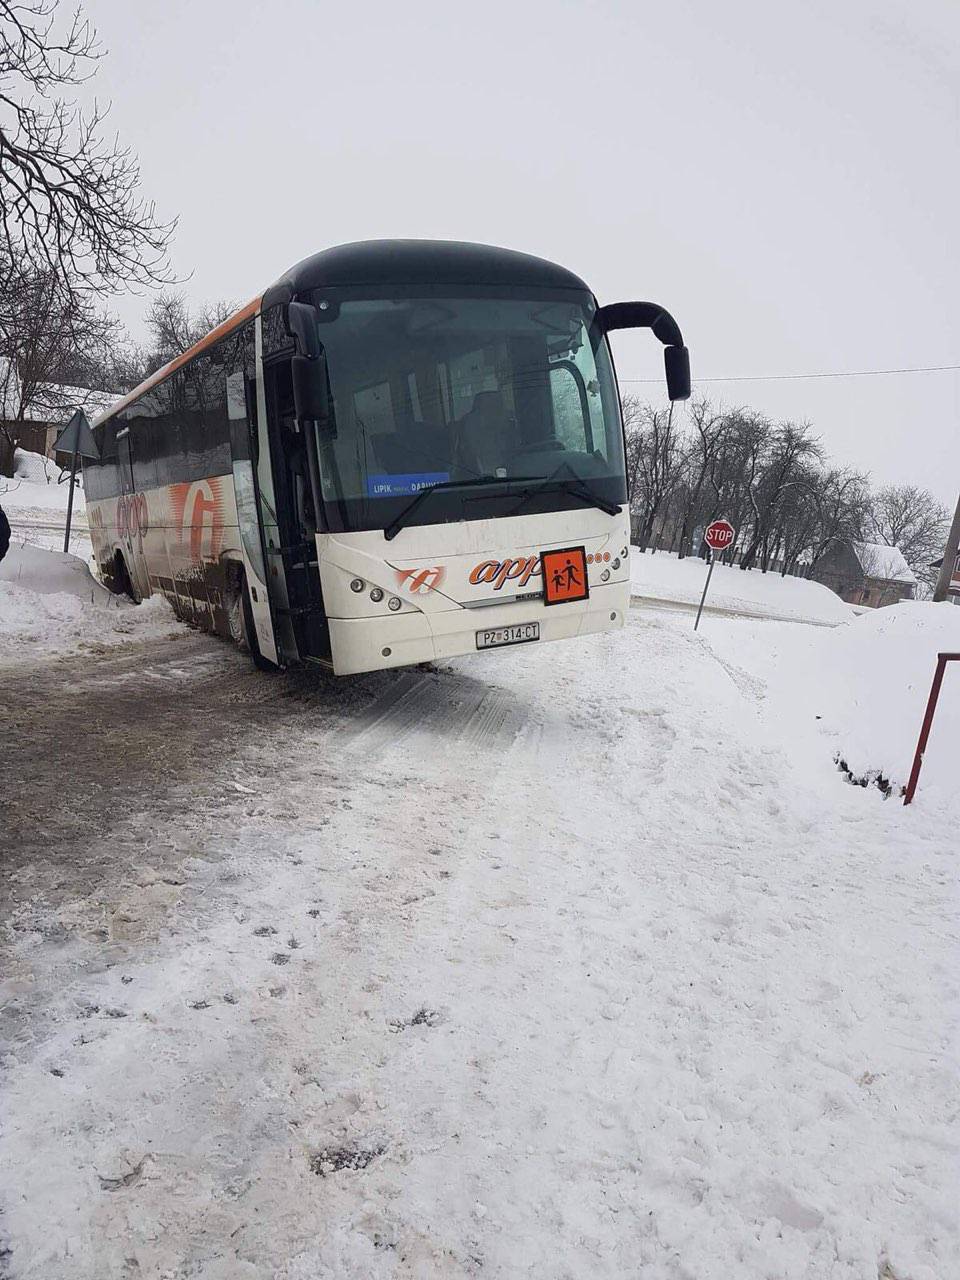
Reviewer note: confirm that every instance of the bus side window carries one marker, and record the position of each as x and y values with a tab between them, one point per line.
202	419
141	417
102	479
215	422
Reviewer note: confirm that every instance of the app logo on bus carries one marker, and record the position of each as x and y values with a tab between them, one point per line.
420	581
520	570
133	520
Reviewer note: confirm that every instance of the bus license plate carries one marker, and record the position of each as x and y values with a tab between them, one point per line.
521	634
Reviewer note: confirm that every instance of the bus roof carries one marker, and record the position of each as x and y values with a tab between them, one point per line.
373	263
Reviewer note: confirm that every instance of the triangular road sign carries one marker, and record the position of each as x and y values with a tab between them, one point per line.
77	436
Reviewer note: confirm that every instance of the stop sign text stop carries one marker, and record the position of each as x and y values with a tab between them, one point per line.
719	535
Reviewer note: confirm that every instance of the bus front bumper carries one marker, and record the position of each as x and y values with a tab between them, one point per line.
404	639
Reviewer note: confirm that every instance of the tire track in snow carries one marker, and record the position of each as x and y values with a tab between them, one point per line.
449	708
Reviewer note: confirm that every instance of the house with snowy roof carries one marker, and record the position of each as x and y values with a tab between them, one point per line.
34	426
866	573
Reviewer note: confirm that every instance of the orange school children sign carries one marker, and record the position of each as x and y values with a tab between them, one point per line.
564	575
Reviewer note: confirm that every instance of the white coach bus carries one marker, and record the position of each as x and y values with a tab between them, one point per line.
404	450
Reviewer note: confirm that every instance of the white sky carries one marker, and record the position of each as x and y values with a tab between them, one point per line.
783	177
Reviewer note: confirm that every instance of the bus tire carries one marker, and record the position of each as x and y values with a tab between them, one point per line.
249	630
123	583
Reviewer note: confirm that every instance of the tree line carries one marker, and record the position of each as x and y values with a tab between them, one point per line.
773	481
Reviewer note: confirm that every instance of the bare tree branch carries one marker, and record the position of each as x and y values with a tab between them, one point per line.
70	197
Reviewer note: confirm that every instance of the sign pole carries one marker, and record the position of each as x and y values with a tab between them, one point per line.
78	438
73	482
706	588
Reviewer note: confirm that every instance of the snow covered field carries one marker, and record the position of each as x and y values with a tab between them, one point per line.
664	578
574	962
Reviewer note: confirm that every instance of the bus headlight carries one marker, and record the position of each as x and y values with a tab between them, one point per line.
394	604
605	576
357	585
376	594
616	563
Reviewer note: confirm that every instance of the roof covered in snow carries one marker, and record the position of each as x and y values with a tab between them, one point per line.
53	402
880	561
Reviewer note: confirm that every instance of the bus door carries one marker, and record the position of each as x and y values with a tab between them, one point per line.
131	516
241	394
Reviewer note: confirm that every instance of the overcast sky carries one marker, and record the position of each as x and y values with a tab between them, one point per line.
783	177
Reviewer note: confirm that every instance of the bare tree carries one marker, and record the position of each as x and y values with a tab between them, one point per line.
792	448
70	198
910	518
49	337
658	466
736	471
699	477
841	501
174	329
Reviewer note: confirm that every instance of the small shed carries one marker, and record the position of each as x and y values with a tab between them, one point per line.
866	573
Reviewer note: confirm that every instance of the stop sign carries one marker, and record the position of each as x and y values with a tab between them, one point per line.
719	535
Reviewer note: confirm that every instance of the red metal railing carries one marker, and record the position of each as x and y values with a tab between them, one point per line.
942	660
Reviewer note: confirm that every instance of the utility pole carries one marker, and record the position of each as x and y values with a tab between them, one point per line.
949	558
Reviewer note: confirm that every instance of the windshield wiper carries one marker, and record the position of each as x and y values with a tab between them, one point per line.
397	523
576	486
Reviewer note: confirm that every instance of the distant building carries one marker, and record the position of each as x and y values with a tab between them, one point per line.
953	591
52	406
866	573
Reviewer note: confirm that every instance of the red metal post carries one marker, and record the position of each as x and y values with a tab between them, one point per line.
942	660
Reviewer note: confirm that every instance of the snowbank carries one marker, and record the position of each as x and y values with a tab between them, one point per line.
663	577
866	685
50	603
35	487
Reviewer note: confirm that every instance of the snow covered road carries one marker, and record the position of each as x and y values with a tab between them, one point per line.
568	962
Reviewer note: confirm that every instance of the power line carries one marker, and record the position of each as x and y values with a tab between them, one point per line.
793	377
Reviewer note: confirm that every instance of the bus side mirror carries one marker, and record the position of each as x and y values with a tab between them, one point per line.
676	363
302	326
310	398
649	315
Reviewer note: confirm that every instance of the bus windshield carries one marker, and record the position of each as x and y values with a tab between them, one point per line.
437	390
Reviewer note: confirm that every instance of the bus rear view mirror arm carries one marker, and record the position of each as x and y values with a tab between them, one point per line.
648	315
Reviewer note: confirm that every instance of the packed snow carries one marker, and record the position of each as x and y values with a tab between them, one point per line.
665	578
51	604
867	686
582	961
